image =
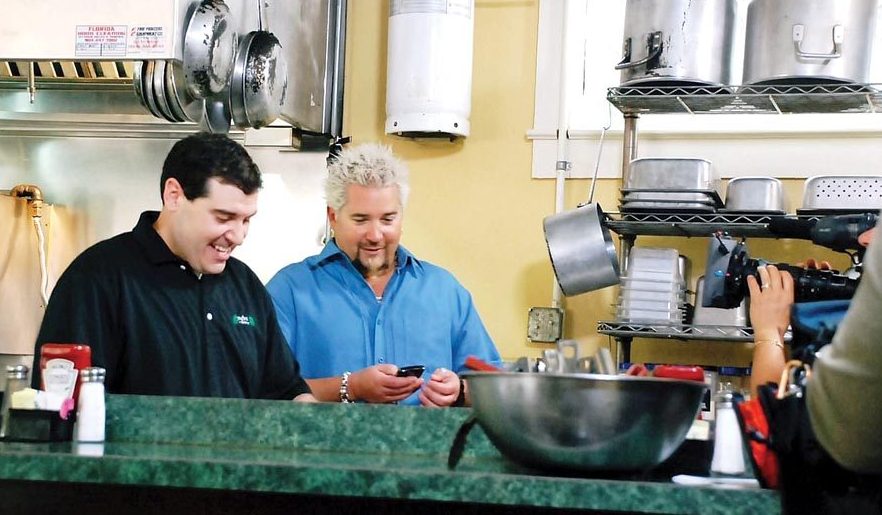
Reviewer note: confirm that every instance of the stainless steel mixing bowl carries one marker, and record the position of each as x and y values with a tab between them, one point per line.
584	421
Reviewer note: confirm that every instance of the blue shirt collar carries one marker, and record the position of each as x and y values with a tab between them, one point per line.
406	260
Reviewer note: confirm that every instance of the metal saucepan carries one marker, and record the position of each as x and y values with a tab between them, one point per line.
260	80
209	47
581	249
584	421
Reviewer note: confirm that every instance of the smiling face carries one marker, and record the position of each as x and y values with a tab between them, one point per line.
204	231
368	227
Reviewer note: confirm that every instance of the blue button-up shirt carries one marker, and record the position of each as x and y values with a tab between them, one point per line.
333	321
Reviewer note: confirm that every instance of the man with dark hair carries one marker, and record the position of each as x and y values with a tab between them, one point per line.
165	308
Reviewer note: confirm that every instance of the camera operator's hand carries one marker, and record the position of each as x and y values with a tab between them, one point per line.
866	237
812	264
770	302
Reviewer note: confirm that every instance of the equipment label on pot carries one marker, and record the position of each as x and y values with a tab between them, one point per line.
147	39
101	41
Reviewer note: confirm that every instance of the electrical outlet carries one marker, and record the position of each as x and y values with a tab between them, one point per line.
545	324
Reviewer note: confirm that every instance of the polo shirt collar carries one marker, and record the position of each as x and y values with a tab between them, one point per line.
154	246
406	260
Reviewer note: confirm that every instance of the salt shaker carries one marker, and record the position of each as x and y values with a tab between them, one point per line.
16	380
90	406
728	447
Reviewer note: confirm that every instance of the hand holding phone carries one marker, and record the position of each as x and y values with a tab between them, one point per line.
411	371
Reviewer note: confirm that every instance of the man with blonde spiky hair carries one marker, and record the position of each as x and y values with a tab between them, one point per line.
365	306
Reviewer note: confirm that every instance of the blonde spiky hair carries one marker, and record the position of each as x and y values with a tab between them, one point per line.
369	164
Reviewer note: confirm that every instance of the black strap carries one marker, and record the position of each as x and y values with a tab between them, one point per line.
460	399
459	441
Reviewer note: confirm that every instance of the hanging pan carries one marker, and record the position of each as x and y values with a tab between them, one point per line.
581	249
159	93
579	244
147	88
137	82
209	48
216	115
260	79
185	106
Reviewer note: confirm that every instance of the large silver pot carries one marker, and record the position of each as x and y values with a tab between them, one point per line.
584	421
581	249
678	42
814	41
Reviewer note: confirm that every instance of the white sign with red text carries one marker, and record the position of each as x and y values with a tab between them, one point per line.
98	41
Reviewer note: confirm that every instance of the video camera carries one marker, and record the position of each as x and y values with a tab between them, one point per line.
729	264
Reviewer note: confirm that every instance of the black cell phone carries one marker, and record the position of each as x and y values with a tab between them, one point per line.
411	371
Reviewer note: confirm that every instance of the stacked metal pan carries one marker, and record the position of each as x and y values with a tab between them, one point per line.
160	87
671	184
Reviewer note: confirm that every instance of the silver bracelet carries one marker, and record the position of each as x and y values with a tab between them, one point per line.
344	388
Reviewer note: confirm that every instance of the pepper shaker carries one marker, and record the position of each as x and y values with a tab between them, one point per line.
90	407
16	380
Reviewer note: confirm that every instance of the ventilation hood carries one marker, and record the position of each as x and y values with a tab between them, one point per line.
72	57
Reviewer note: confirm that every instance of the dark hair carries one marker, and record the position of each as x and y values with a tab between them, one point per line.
201	156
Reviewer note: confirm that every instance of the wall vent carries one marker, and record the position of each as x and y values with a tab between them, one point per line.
90	70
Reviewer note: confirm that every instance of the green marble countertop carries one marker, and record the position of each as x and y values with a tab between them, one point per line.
366	451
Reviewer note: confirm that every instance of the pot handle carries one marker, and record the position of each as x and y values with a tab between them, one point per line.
838	38
654	45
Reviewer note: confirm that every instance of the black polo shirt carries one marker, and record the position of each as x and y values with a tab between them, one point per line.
159	329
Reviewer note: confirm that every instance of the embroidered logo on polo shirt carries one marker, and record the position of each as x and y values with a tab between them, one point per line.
244	320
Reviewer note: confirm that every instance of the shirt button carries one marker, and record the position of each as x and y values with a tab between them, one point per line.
209	316
183	267
381	360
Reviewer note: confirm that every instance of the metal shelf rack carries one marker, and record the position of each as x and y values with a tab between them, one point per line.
693	224
748	99
677	332
634	101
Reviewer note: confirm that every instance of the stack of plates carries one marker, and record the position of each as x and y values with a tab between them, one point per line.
652	291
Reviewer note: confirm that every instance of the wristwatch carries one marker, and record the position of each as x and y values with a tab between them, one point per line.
344	388
460	399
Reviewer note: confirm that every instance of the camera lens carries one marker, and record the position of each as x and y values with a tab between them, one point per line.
809	284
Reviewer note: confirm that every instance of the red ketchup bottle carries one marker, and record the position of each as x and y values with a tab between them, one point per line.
60	367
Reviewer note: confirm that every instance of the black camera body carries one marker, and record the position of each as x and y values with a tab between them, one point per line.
729	265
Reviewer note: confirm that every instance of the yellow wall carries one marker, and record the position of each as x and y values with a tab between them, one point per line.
474	208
